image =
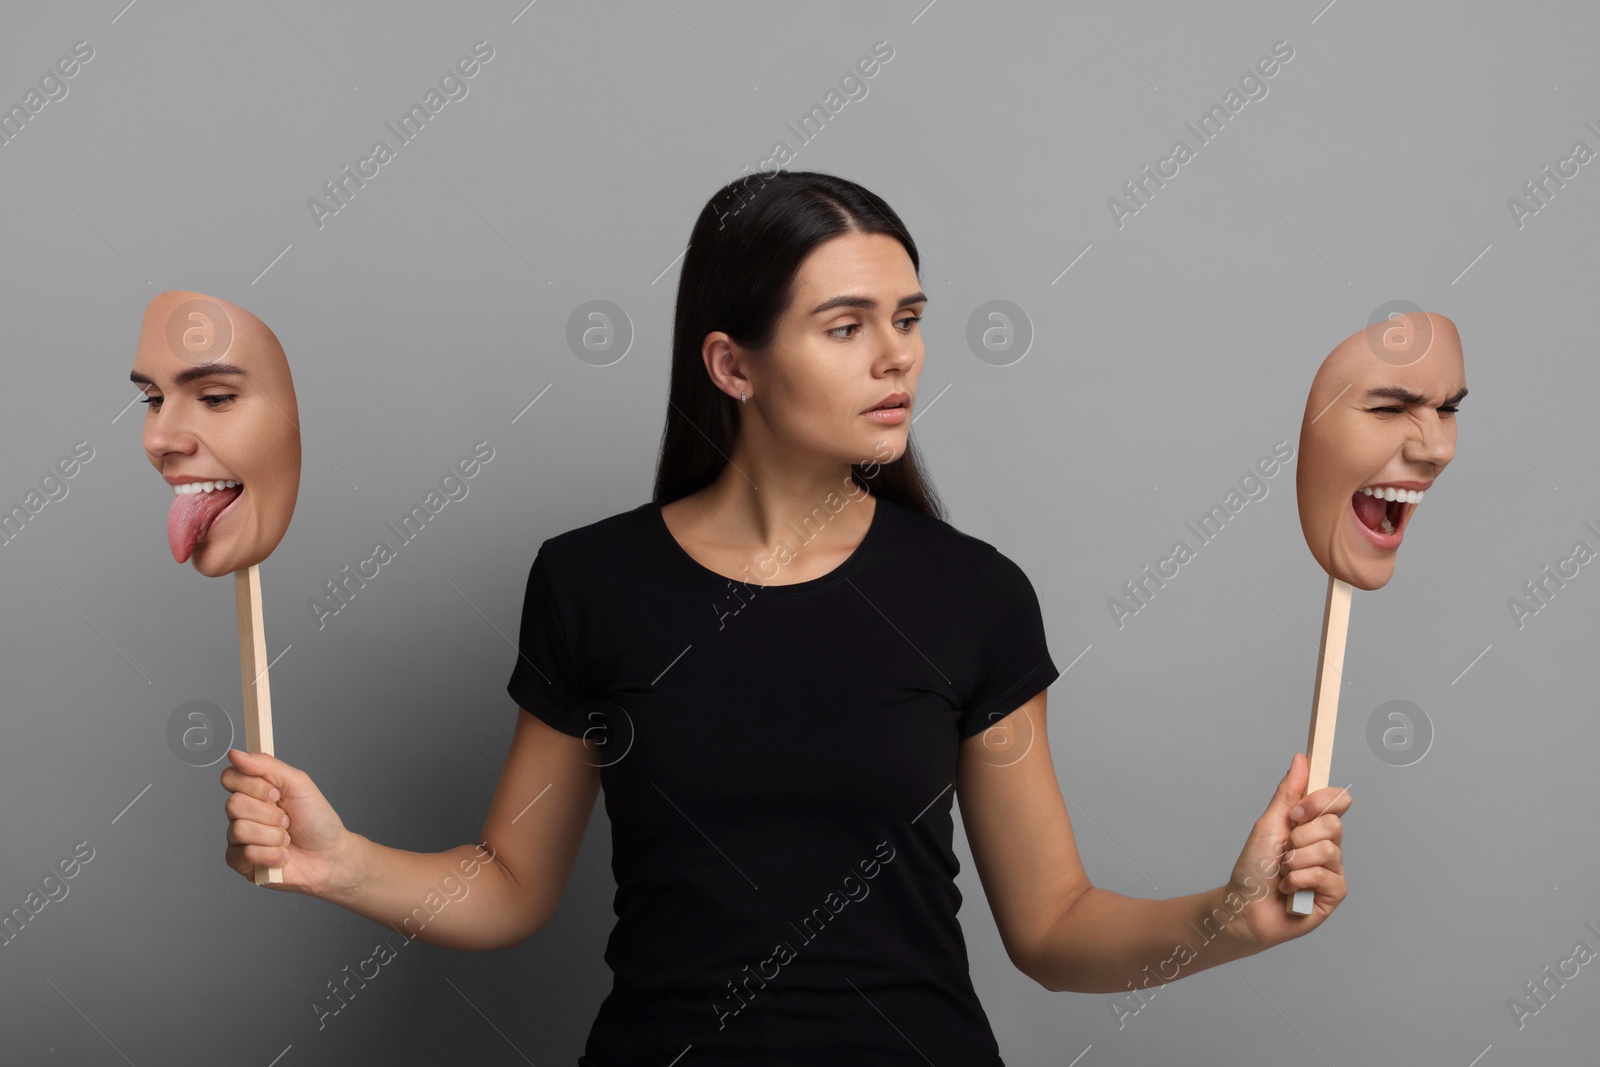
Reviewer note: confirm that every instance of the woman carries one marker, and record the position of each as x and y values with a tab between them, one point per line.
778	769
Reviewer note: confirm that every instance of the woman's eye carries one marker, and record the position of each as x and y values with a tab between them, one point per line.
1449	409
153	401
1388	410
913	319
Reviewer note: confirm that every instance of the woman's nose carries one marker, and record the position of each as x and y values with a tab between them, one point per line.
902	351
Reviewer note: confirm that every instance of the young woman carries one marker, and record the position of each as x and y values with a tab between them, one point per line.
784	669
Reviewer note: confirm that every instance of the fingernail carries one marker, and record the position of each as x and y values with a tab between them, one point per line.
1298	813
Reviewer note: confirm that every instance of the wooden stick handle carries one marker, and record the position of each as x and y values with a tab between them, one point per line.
1325	704
253	677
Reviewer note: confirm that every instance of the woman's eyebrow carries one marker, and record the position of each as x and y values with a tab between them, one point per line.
193	373
863	302
1406	396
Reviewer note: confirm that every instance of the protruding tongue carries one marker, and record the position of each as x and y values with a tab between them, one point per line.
1369	509
192	515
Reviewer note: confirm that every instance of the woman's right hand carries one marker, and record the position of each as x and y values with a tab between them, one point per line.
277	817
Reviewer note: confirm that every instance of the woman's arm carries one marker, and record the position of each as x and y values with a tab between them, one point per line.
1068	934
491	895
1108	943
461	898
518	871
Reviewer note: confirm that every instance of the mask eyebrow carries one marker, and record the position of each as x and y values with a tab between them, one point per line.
1406	396
192	374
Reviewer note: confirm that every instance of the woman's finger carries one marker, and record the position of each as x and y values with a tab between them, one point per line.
245	832
234	857
1320	802
1326	883
273	771
244	859
265	856
1324	827
236	781
1317	854
239	806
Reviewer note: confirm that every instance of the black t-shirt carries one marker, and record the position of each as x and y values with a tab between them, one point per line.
778	765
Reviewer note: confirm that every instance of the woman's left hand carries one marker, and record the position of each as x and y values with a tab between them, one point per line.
1286	852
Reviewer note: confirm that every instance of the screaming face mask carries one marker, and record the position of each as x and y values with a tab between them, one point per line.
1379	427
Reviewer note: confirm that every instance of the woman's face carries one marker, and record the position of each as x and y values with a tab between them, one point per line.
848	340
221	408
1374	424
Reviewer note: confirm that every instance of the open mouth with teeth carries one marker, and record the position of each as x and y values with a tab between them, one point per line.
1383	512
196	508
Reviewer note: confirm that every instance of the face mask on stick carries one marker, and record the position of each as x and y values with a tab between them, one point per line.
1379	427
223	430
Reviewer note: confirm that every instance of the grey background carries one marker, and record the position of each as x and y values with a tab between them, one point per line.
429	312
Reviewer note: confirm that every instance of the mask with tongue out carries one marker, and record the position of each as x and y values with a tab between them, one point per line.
221	427
192	515
1379	427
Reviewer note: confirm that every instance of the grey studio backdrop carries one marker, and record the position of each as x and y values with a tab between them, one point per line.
1096	377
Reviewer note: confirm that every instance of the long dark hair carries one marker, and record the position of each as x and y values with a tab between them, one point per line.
738	277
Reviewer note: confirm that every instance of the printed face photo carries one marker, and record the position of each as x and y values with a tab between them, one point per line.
221	427
1379	428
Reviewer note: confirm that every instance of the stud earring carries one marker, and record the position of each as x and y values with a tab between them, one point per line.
741	397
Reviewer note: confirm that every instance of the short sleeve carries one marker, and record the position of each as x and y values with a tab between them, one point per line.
1016	663
544	680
